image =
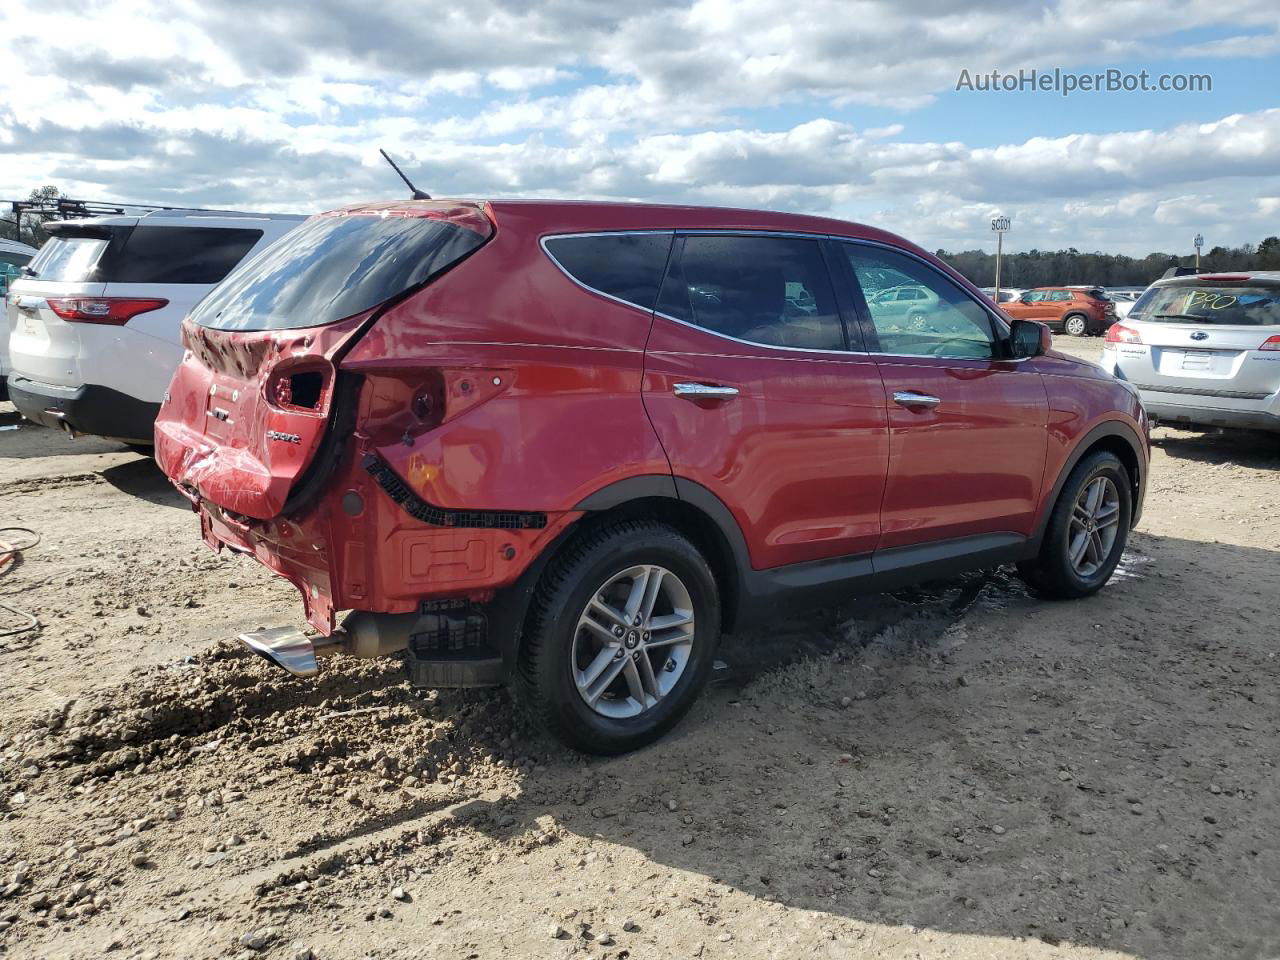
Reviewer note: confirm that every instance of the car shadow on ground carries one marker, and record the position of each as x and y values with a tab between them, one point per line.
1246	448
142	478
30	440
1099	772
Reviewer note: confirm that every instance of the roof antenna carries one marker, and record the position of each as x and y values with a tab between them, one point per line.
417	194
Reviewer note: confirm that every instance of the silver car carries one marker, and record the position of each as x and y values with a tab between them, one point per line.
1204	350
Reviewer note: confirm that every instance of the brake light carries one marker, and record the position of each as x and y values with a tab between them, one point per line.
110	310
1119	333
1271	343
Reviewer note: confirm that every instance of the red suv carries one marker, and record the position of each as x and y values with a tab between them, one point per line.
570	444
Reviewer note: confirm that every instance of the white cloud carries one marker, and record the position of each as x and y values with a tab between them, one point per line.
159	100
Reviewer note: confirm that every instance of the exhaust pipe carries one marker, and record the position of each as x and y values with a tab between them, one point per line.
61	416
361	635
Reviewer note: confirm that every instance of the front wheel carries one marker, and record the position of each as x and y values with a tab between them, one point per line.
1076	325
620	638
1087	530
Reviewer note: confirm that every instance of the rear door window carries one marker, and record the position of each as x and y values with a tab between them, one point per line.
336	266
177	254
773	291
625	266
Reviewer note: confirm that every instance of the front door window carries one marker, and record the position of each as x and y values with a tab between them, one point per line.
916	311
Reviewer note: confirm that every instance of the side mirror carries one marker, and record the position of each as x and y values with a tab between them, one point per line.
1027	338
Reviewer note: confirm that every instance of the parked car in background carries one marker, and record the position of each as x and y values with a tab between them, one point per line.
94	322
1123	300
1080	312
570	444
1007	294
1204	350
13	257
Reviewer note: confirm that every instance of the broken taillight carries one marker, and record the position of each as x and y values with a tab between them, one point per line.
109	310
291	387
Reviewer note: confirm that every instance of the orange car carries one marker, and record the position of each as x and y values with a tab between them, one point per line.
1079	311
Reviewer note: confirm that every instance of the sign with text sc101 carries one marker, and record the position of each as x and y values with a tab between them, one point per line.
1000	224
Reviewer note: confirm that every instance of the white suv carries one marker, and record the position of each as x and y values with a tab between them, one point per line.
13	257
95	319
1204	350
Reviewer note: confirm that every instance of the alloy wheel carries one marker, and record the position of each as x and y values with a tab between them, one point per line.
1095	523
633	641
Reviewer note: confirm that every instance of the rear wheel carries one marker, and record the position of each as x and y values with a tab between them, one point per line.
1087	530
620	638
1076	324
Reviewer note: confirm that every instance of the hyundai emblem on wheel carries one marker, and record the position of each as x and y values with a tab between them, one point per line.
1199	335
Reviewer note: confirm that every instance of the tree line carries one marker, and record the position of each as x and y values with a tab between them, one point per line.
1045	268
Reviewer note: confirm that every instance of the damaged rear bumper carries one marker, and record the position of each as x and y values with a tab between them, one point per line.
369	544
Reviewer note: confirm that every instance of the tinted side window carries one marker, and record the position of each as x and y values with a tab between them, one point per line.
628	266
944	322
177	254
768	290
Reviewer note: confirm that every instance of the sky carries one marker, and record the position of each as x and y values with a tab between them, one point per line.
846	109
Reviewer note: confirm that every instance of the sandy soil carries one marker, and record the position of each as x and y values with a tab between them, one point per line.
953	771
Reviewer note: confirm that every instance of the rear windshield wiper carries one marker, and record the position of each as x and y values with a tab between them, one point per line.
1179	316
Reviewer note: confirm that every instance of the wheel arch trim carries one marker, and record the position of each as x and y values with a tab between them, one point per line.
1111	428
736	562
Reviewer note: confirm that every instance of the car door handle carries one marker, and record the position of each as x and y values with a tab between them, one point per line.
909	398
700	391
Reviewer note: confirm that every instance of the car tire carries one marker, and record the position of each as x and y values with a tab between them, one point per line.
1075	324
1055	572
557	653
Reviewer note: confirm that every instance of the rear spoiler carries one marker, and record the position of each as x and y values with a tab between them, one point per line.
69	229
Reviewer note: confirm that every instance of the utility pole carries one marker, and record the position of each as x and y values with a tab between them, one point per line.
1199	242
999	226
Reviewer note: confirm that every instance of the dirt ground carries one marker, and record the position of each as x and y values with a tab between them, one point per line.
954	771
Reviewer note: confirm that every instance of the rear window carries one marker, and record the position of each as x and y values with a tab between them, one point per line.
143	254
333	267
627	266
68	259
1230	306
